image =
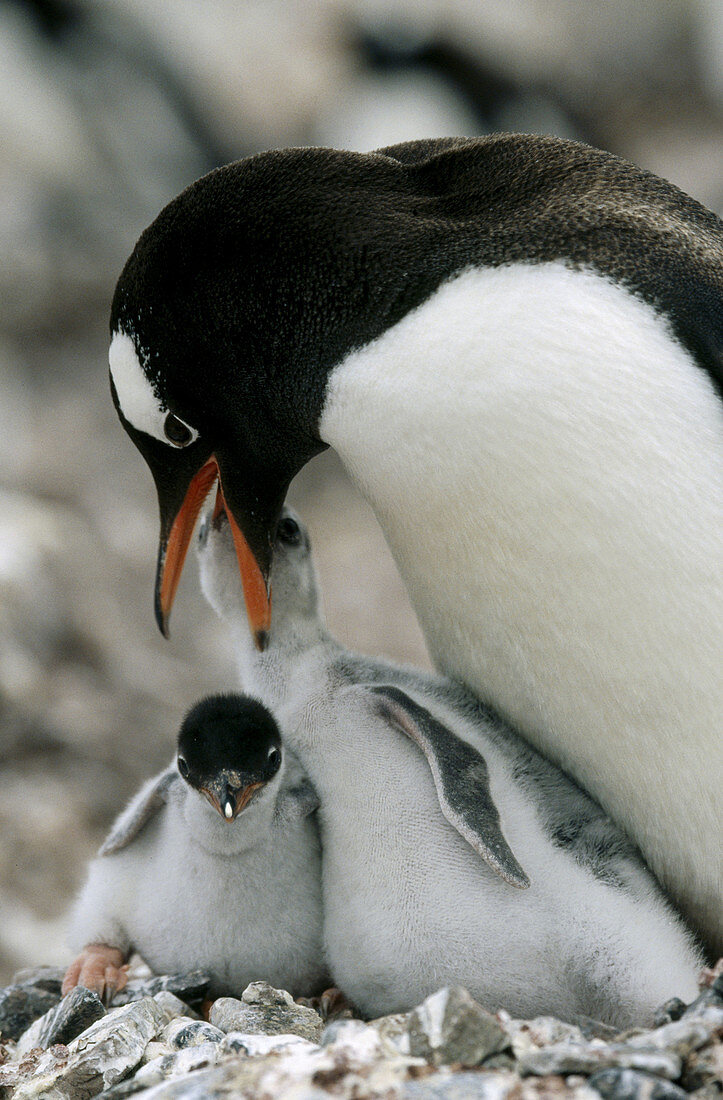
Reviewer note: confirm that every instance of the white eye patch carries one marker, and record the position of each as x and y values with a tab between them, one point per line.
138	400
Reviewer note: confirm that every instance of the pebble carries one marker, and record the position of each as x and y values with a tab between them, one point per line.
357	1042
393	1032
49	978
708	1005
703	1068
264	1010
630	1084
671	1010
184	1032
173	1006
252	1046
572	1057
354	1065
711	1091
225	1080
680	1037
21	1005
261	993
72	1015
539	1032
191	987
35	1064
462	1086
450	1027
168	1067
155	1050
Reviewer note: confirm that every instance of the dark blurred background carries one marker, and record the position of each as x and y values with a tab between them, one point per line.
106	111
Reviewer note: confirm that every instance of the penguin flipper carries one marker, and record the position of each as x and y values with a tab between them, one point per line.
462	780
297	801
150	799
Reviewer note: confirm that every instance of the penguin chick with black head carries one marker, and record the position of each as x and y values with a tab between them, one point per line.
514	343
452	853
214	864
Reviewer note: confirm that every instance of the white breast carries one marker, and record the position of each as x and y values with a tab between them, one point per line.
546	463
241	915
409	906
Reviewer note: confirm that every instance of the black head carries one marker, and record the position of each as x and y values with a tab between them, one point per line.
229	746
226	321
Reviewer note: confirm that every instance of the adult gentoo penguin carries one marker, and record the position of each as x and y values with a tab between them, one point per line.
514	343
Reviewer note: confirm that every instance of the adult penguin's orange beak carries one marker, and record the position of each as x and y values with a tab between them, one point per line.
177	526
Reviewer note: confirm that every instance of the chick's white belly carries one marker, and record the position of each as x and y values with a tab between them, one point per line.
408	905
242	918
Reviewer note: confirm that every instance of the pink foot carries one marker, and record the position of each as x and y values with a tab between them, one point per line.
98	967
331	1005
709	974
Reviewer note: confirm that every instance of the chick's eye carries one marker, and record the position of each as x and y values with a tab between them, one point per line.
274	759
288	531
177	432
183	767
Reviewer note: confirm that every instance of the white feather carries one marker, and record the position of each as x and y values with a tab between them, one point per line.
409	906
139	402
546	462
138	398
240	901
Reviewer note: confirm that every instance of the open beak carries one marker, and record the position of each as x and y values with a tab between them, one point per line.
231	800
174	547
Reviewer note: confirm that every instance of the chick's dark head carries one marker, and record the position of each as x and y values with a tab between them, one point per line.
229	747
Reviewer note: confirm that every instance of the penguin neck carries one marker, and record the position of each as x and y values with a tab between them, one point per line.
297	645
210	831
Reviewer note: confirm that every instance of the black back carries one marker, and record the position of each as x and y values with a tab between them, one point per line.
263	275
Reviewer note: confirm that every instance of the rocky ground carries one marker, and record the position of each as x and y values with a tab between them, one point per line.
106	111
153	1044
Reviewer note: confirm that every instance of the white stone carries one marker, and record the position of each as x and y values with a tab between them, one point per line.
173	1006
572	1057
239	1042
178	1064
261	993
101	1056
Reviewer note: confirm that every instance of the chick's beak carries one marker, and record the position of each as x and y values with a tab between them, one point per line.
230	801
176	534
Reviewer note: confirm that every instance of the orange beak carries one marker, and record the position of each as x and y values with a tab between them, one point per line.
172	555
230	804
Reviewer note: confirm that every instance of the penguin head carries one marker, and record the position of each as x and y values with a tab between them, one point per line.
293	575
229	748
206	328
190	449
235	307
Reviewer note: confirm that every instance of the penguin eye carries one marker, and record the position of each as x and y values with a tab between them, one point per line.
177	431
183	767
274	760
289	531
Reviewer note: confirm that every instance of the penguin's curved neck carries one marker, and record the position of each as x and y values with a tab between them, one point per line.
298	643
